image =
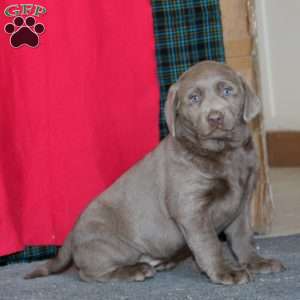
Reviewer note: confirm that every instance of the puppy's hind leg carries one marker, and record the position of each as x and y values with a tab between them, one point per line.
137	272
108	259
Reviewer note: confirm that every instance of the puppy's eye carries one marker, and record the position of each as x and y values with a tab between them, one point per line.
227	91
194	98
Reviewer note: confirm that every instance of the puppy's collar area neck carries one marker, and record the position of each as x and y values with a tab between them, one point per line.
196	149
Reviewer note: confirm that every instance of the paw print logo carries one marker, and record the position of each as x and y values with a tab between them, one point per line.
24	32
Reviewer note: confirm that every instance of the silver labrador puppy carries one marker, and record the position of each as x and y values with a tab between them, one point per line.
195	184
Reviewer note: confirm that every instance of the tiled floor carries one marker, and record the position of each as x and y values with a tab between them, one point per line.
285	183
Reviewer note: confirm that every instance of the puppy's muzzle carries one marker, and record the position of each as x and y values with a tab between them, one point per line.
215	119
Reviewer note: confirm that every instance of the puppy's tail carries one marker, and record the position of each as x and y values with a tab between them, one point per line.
56	264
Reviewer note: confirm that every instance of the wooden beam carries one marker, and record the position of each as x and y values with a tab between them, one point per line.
284	148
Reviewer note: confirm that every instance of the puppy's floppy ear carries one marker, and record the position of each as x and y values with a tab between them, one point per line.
252	104
171	107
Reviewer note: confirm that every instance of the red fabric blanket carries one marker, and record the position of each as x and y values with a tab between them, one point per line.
79	104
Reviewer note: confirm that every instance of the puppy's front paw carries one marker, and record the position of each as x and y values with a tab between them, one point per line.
230	276
263	265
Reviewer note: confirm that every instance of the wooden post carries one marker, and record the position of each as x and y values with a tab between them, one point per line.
238	20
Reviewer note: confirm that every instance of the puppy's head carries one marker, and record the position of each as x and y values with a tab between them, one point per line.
211	102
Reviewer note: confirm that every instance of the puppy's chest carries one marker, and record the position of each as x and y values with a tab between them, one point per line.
225	194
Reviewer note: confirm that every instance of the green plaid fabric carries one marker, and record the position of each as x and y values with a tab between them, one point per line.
186	32
29	254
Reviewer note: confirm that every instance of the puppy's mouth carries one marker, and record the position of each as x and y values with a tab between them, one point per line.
220	134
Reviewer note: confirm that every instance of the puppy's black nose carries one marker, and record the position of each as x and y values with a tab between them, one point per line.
215	119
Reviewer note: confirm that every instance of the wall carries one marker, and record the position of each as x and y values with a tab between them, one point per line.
278	25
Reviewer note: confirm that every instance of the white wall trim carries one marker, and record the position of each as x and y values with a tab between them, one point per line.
278	50
265	64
